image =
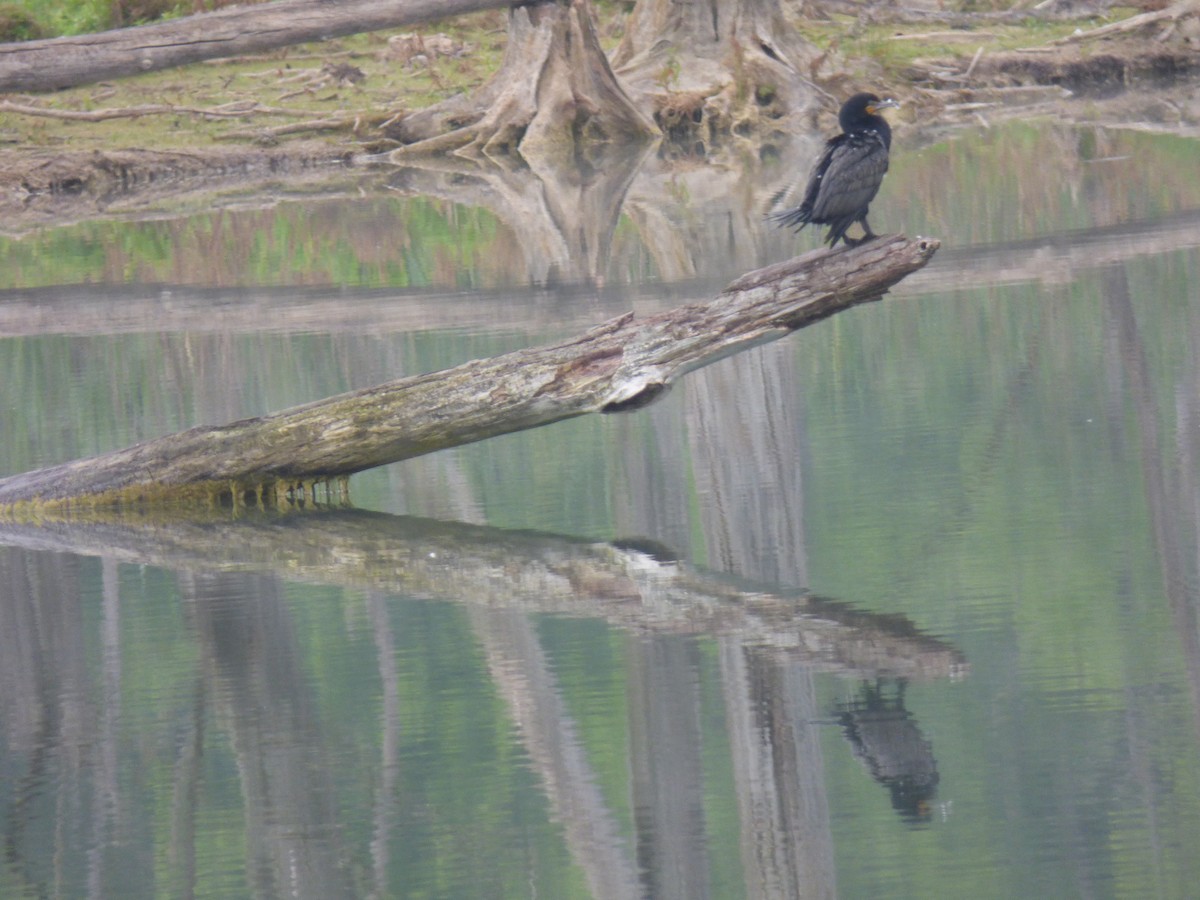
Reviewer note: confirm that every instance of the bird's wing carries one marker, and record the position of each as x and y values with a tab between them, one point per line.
848	176
817	177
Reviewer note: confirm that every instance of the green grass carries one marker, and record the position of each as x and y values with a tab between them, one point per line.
68	17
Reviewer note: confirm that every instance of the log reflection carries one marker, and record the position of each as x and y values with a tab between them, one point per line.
252	685
539	573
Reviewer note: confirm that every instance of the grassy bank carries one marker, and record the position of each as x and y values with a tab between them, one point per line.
26	19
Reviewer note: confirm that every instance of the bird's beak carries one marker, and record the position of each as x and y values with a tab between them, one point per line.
889	103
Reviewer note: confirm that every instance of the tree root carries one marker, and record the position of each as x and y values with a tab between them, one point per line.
554	92
739	71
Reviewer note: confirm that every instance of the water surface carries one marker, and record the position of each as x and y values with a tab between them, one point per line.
904	605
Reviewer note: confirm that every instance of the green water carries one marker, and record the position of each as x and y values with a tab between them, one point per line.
476	684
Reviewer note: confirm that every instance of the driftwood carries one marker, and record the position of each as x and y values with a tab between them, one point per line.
620	365
630	585
57	63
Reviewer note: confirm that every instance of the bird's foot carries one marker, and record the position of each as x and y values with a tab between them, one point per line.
858	242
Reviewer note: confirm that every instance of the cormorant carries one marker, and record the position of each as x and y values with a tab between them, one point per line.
847	176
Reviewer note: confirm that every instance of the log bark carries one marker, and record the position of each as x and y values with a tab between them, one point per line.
621	365
57	63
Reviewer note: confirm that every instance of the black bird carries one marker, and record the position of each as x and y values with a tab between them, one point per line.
847	176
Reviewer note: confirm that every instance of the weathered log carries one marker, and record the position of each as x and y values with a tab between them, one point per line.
56	63
629	585
620	365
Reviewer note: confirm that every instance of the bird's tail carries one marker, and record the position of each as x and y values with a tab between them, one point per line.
796	217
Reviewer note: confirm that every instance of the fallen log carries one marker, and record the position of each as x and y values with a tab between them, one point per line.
56	63
621	365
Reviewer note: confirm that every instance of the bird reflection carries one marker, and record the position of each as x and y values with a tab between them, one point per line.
885	738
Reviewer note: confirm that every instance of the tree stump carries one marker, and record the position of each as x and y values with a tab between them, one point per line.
553	95
716	69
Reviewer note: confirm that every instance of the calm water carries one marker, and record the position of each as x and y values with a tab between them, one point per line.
905	605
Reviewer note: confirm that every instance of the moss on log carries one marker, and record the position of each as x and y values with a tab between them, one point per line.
288	457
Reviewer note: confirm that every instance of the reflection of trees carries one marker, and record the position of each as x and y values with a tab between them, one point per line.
747	440
786	846
49	726
54	191
666	767
562	219
708	220
251	685
259	692
383	816
559	224
524	679
694	217
1170	476
65	732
